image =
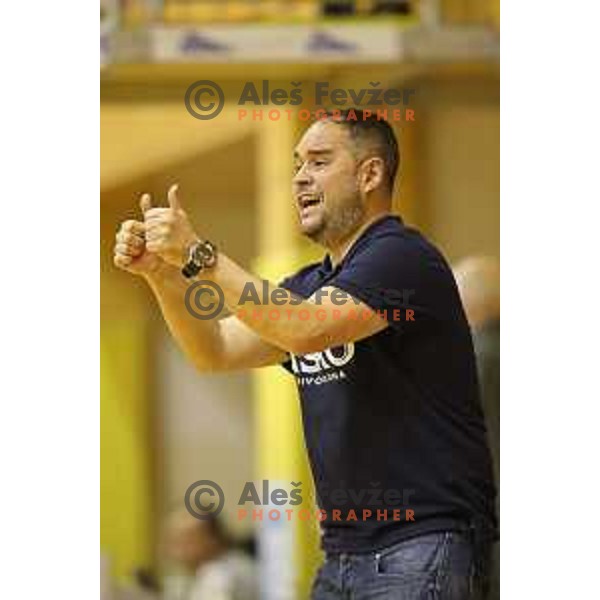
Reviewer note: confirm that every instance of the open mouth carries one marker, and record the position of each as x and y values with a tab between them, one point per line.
307	200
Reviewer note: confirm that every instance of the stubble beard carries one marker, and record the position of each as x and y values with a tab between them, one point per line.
339	223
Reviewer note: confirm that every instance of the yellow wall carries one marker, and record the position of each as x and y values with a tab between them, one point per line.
458	156
471	11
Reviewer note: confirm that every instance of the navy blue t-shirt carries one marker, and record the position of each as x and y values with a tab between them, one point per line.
393	423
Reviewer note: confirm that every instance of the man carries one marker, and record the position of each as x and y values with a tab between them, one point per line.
205	567
377	339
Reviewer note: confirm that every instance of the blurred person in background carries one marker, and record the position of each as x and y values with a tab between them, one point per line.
384	399
478	280
203	563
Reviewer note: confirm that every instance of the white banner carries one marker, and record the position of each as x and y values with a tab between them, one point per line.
353	43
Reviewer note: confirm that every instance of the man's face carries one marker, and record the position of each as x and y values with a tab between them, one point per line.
325	183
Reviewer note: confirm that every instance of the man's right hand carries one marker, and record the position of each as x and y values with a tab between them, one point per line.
130	252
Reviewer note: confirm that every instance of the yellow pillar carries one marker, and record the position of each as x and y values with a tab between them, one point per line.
289	548
126	524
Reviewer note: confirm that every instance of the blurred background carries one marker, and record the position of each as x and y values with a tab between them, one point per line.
163	426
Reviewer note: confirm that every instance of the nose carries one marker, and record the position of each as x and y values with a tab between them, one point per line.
301	178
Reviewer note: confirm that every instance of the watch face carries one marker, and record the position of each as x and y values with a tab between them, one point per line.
197	254
210	257
204	254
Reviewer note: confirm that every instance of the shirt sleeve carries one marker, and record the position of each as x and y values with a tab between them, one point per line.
394	277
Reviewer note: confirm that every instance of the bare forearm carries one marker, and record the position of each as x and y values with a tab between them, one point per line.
283	322
246	297
199	339
276	323
287	321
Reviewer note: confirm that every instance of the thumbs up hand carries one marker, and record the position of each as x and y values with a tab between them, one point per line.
130	252
169	232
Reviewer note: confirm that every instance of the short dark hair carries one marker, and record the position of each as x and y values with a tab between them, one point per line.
376	131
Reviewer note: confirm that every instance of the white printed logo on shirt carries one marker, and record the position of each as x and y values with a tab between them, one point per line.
318	368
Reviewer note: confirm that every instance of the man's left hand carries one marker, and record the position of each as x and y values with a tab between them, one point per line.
169	232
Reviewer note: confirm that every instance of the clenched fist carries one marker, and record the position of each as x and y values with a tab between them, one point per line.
169	233
130	252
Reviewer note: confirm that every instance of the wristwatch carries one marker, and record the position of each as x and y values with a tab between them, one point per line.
201	255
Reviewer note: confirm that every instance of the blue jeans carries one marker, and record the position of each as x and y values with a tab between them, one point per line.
436	566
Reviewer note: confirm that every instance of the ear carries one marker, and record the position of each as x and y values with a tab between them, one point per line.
372	174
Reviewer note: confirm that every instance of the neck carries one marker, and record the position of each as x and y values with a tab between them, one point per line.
338	250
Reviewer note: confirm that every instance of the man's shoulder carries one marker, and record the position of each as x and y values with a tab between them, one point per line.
398	243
